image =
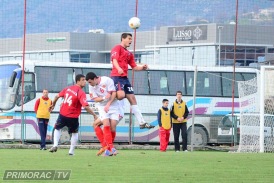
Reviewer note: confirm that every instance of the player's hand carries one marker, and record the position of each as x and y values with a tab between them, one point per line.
179	119
120	70
51	108
106	108
107	96
95	117
145	67
182	118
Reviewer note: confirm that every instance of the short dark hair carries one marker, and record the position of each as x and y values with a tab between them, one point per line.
78	77
165	100
124	35
179	92
91	75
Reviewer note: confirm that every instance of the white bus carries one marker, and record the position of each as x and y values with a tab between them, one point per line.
213	98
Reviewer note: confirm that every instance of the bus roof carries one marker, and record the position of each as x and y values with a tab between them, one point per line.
30	64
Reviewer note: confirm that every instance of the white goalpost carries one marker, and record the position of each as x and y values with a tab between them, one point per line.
256	98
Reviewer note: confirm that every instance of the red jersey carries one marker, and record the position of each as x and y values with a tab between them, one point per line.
124	58
74	99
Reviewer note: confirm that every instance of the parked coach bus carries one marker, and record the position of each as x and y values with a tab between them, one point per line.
213	98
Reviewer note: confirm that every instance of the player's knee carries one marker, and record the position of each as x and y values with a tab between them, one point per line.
120	95
94	125
97	123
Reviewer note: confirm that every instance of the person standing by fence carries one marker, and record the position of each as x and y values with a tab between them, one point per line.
179	113
41	108
164	121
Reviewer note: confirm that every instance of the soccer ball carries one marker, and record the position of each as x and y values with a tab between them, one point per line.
134	23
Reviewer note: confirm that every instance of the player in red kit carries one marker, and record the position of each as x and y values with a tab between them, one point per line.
121	58
74	99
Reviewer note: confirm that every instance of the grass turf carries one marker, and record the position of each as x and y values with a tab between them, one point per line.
144	165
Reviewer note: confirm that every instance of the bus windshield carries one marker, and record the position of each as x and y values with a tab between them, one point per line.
7	93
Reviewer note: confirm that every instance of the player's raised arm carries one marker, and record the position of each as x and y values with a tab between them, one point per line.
140	67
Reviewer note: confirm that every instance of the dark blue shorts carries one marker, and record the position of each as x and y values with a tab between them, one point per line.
122	83
71	123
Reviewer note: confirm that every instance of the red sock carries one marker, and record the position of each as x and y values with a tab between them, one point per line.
113	134
108	136
100	135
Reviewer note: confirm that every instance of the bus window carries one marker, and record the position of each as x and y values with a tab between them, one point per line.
163	85
189	82
9	82
12	79
53	78
29	89
176	81
70	78
227	83
208	84
140	82
158	83
248	76
78	71
98	72
214	84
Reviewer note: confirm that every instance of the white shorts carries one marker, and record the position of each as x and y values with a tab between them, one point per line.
113	113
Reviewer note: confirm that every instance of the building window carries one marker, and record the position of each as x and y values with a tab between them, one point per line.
270	50
80	57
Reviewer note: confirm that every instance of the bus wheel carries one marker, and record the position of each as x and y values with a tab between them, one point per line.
65	136
200	136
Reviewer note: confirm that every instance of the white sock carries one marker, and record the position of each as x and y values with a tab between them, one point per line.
57	135
137	113
73	142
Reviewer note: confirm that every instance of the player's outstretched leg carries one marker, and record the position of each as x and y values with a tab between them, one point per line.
108	139
137	113
73	142
53	149
100	135
57	134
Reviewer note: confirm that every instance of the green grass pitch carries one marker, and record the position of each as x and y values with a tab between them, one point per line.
143	166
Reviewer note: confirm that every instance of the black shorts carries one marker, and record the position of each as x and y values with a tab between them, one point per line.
71	123
122	83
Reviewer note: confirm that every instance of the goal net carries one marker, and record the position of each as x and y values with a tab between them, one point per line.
256	99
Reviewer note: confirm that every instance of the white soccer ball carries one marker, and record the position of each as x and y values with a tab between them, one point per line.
134	23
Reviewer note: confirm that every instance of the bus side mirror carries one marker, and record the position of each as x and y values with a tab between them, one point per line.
12	79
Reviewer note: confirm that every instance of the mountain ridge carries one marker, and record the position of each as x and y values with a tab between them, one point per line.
112	16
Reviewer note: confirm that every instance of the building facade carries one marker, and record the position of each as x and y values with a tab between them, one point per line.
180	45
